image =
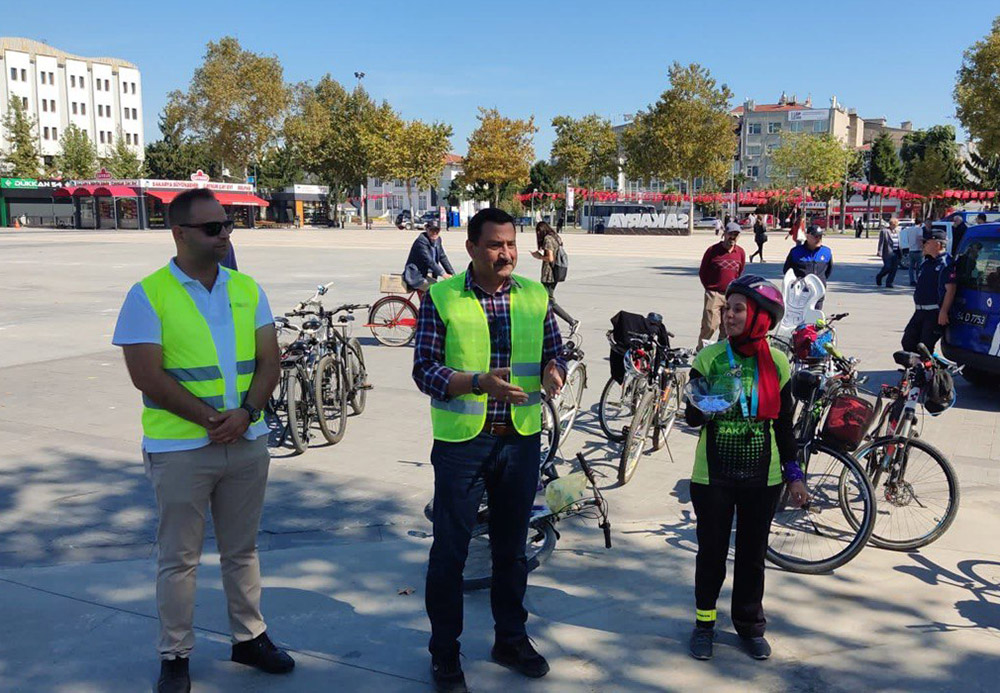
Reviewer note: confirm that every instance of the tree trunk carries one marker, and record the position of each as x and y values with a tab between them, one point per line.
690	206
496	195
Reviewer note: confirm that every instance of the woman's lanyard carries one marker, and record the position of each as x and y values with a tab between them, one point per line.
752	409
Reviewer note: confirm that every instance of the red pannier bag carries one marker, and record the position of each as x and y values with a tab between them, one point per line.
848	421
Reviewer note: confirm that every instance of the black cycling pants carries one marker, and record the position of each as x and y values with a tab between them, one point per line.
714	507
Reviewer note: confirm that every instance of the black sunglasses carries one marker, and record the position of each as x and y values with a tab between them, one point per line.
213	228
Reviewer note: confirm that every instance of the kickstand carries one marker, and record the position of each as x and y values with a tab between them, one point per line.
671	454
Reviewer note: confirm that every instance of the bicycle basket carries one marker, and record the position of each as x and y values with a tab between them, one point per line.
939	394
848	421
714	395
808	343
392	284
563	492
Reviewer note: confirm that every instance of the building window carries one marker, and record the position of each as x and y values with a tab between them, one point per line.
128	138
74	108
13	74
100	109
72	80
126	114
753	150
795	126
52	78
42	77
24	101
107	85
133	87
754	129
773	128
753	171
24	75
81	81
135	114
46	133
45	105
819	126
376	182
97	83
102	136
124	87
55	133
83	109
771	147
52	105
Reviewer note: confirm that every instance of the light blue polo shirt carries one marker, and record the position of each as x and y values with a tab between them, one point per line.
138	323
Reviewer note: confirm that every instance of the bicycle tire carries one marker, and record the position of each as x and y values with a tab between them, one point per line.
296	409
393	321
478	574
668	414
613	413
330	393
638	432
792	527
572	395
550	435
890	499
357	377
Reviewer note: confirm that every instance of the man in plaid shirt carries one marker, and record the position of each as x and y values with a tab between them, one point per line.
486	435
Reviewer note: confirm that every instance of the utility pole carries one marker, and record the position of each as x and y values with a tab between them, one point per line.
364	197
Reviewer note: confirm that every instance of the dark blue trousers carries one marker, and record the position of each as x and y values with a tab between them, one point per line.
506	468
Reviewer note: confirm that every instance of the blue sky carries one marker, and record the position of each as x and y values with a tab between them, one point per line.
440	60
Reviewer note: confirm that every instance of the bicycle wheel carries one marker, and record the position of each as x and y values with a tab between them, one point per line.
393	321
357	377
822	536
297	409
917	491
478	574
616	407
550	432
330	391
635	441
571	396
670	409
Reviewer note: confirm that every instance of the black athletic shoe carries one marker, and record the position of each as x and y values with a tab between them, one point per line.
522	657
174	677
701	642
757	647
448	676
263	654
890	286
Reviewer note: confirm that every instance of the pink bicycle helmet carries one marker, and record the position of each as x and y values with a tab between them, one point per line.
762	292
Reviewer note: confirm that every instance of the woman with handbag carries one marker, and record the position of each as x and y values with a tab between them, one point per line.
745	456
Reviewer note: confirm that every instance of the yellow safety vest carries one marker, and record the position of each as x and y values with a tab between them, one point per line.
467	348
189	352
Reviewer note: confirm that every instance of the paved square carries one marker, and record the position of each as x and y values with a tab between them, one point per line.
344	532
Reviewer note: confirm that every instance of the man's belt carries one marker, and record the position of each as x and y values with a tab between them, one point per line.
500	429
928	306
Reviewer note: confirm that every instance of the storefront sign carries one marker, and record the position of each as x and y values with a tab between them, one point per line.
166	184
648	221
310	189
18	183
104	175
800	116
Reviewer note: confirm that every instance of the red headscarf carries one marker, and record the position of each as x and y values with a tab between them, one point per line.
753	342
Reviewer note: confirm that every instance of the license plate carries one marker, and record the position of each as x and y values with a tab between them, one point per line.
971	317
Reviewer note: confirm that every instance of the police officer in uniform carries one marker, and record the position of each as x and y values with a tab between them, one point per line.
934	294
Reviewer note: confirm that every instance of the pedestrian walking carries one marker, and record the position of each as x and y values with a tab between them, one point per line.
859	227
812	257
934	295
888	250
911	243
795	230
718	226
560	222
484	378
958	229
721	264
553	256
200	344
759	238
743	459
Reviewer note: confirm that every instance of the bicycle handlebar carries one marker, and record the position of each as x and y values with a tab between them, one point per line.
589	473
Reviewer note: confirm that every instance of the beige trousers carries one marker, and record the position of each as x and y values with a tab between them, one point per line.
230	479
711	317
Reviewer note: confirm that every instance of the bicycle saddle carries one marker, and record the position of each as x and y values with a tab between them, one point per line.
906	359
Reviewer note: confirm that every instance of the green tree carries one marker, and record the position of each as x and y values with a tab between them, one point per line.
78	159
984	171
585	149
929	175
500	152
175	156
278	169
123	162
687	134
939	138
808	160
977	92
542	178
420	151
235	103
885	167
22	159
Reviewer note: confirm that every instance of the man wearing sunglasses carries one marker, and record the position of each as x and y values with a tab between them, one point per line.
199	343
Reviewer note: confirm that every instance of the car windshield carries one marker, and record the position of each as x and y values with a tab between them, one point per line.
978	267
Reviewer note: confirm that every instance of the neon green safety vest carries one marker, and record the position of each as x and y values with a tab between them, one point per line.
467	348
189	352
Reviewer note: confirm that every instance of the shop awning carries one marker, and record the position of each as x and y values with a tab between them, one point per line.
65	191
84	190
245	199
115	191
164	196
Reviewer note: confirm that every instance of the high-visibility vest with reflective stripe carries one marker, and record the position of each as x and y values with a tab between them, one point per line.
467	348
189	352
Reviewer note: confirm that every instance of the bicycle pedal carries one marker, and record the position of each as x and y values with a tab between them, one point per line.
366	386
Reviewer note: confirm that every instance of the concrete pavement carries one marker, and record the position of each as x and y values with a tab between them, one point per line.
343	530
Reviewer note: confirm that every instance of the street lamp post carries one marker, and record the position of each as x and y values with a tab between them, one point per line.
364	198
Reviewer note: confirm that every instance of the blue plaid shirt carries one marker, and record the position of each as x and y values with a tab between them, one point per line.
432	376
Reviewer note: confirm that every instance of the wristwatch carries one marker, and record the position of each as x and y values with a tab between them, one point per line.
476	390
250	409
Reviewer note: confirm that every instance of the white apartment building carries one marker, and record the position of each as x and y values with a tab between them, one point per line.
98	95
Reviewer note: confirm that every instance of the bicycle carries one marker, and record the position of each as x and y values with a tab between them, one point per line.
340	378
660	393
917	486
542	534
393	318
569	400
836	522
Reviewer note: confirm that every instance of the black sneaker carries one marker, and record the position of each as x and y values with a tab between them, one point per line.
174	677
701	642
757	647
262	654
520	656
448	676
